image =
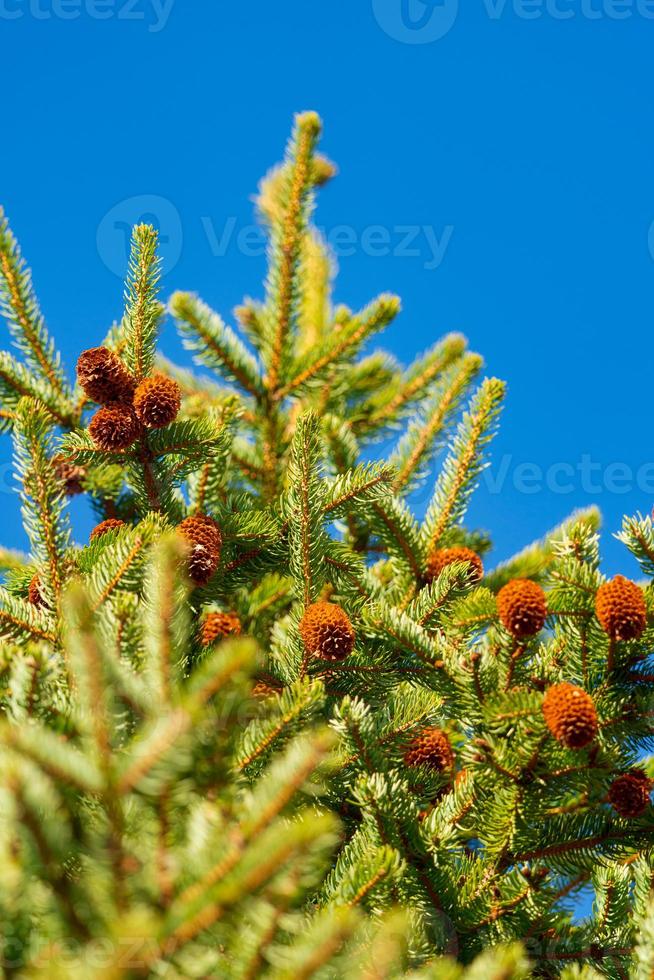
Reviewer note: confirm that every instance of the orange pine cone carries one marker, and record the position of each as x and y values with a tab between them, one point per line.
114	427
204	535
430	747
218	625
263	689
440	557
522	607
70	475
34	594
157	401
620	608
629	794
570	715
109	525
104	377
326	631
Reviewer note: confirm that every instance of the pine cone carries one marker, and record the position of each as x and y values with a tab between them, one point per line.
109	525
430	747
104	377
266	686
114	427
620	608
629	793
522	607
157	401
261	691
326	631
570	715
34	594
218	625
440	557
204	535
70	475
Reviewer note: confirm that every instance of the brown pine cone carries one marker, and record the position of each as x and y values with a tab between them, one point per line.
522	607
629	793
620	608
114	427
218	625
266	686
70	475
204	535
35	595
430	747
109	525
104	377
570	715
326	631
157	401
440	557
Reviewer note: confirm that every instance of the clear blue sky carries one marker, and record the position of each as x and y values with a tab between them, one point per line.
519	145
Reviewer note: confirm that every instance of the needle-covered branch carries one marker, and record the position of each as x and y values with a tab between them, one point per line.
288	228
266	720
143	311
20	307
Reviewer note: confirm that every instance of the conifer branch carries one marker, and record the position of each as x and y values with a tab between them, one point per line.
422	374
422	437
287	236
166	618
316	275
346	342
10	558
297	706
364	484
151	484
17	382
20	307
465	461
164	775
18	620
398	531
304	510
143	311
536	558
214	344
42	495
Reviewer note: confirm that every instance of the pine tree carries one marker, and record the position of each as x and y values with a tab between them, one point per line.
269	721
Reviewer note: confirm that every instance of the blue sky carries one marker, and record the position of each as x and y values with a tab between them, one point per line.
514	141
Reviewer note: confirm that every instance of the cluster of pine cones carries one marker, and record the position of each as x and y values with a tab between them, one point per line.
127	407
326	631
569	711
522	606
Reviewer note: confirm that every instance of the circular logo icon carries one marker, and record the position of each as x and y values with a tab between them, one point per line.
115	231
416	21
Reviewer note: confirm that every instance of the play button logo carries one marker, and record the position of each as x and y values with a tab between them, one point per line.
416	21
